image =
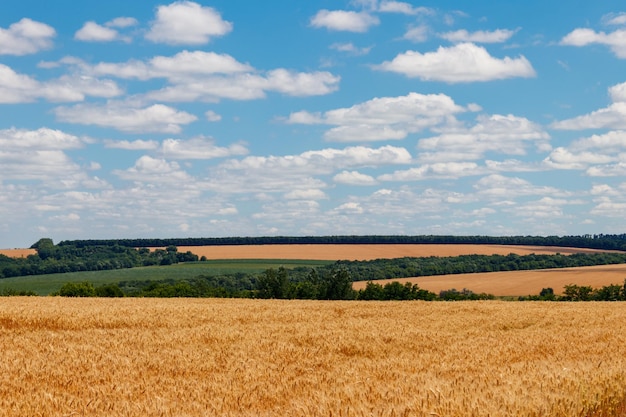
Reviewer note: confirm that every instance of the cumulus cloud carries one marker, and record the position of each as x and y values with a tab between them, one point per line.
403	8
383	118
417	33
40	155
436	170
563	158
26	37
500	187
310	194
199	148
93	32
19	88
507	134
481	36
611	117
208	76
324	161
211	116
616	40
153	170
127	118
350	48
341	20
122	22
43	138
354	178
269	174
187	23
135	145
465	62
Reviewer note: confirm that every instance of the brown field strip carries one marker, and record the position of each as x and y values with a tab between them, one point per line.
17	253
366	252
349	252
515	283
209	357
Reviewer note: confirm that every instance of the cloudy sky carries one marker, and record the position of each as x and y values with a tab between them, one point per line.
128	119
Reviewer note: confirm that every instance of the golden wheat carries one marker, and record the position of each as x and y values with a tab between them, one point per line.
190	357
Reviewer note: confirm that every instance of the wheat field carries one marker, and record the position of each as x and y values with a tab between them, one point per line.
517	283
208	357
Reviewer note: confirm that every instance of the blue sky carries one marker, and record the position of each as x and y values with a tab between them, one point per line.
124	119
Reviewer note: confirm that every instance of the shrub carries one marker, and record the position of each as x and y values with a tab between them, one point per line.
77	289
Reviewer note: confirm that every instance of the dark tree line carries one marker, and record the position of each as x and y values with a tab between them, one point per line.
596	241
53	259
428	266
572	292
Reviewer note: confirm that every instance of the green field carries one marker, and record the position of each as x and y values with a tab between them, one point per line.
46	284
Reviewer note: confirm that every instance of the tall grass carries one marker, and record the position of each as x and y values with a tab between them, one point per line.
152	357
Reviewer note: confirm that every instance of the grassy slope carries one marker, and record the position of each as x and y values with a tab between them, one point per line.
46	284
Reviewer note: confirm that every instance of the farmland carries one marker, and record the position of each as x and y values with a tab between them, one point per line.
361	252
518	282
155	357
366	252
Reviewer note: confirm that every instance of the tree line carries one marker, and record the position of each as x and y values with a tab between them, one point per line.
591	241
53	259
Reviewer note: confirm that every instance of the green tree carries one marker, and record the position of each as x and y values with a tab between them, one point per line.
77	289
337	285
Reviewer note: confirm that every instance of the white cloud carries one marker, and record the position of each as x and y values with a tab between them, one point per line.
612	117
211	116
616	40
196	63
417	33
383	118
341	20
481	36
122	22
199	148
614	19
350	208
19	88
188	23
208	76
610	170
350	48
26	37
43	139
499	187
389	6
496	133
436	170
324	161
618	93
310	194
40	155
562	158
135	145
151	170
611	142
183	66
609	208
127	118
464	62
301	83
354	178
93	32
